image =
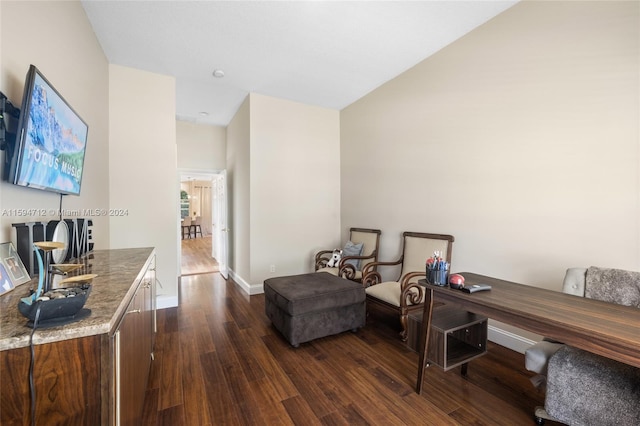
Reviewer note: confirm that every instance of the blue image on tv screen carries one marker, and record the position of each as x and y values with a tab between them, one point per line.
54	146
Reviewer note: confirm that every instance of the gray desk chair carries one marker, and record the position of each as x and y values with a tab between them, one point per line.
583	388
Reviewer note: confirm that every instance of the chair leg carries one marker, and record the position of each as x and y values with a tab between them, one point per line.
403	323
463	369
540	415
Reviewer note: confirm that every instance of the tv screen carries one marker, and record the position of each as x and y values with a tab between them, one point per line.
51	142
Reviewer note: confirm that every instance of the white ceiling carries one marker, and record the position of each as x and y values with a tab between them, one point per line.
324	53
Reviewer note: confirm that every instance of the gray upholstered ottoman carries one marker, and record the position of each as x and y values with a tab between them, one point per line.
309	306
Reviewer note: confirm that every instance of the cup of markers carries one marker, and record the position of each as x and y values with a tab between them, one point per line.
437	270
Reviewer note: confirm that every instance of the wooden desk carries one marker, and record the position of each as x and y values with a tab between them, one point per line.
603	328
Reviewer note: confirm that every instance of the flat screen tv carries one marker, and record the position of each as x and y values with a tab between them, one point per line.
51	140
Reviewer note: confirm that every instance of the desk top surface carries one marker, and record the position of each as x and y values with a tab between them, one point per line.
600	327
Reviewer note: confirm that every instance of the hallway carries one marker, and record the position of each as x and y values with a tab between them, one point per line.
196	256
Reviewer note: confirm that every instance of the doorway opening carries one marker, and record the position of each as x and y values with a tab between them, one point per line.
196	223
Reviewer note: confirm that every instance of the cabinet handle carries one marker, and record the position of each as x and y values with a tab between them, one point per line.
135	311
118	397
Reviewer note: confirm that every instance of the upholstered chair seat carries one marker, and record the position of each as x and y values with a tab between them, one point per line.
390	292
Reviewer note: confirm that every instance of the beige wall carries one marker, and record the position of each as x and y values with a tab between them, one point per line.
295	185
238	175
521	139
135	147
283	170
67	52
142	154
200	146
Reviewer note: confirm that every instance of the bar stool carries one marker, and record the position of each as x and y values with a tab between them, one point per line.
186	227
196	228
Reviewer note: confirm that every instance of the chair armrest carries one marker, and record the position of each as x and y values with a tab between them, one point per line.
343	260
371	266
347	270
362	257
411	292
370	275
410	276
322	257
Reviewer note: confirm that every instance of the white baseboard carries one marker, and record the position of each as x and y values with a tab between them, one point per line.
250	289
509	340
165	301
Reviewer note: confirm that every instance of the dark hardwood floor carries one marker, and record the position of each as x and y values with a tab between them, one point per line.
218	361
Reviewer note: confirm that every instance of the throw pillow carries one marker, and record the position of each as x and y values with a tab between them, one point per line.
351	249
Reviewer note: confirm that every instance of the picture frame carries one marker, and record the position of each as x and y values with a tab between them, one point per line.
12	270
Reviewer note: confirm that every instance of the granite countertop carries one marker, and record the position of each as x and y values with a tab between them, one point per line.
119	273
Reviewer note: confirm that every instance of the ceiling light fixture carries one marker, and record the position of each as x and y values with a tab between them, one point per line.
218	73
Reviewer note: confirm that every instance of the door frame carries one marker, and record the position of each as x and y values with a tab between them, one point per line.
220	209
198	174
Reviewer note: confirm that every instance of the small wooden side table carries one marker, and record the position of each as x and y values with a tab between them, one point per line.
457	336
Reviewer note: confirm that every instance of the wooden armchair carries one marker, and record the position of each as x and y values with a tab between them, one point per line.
351	266
405	294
